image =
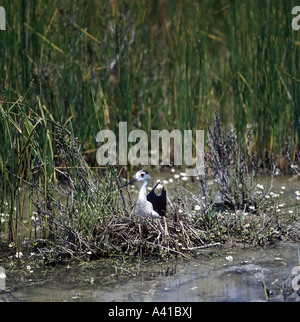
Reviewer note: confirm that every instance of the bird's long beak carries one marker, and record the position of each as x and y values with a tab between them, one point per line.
134	180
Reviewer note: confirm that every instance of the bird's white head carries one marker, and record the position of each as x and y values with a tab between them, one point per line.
142	175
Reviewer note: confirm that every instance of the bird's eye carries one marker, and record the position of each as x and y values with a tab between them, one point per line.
142	174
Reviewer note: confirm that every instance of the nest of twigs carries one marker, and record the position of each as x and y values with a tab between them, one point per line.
147	237
132	236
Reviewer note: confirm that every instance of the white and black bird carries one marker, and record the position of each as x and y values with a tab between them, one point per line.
152	204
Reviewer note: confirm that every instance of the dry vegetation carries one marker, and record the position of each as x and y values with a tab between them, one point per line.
89	217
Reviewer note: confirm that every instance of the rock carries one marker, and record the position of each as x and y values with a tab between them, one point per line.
255	272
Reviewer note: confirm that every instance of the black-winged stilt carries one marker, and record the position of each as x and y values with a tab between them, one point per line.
152	204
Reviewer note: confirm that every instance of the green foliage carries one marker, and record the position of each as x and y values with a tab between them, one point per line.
87	65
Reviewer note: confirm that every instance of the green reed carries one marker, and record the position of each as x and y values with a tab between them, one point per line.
86	65
157	64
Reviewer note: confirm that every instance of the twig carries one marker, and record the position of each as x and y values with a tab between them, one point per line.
170	249
202	247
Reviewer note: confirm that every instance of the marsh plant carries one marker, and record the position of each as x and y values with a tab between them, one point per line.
229	197
71	69
156	64
81	213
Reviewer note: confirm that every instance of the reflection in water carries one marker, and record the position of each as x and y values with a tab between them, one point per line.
209	278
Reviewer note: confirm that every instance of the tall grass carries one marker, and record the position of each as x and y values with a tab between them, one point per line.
156	64
87	65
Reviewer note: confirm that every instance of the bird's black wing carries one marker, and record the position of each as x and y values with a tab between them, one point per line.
159	202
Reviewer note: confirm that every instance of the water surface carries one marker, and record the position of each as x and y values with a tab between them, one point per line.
217	275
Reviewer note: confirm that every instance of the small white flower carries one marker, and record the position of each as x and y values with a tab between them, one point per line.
183	174
297	193
197	208
171	180
283	187
2	275
260	186
184	178
229	258
19	254
176	176
291	211
28	267
281	205
172	170
252	207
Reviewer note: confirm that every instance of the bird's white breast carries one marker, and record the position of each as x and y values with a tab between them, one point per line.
143	209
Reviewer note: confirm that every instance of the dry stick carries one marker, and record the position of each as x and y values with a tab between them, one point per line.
202	247
166	226
119	186
171	249
196	234
157	238
112	168
188	241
